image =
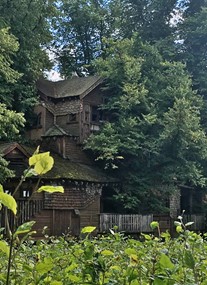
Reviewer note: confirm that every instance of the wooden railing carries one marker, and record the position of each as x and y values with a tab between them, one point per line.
26	211
127	223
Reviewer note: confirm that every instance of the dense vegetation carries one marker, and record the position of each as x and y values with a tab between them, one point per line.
110	259
153	54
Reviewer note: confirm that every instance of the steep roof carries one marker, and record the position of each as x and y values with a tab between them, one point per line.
7	147
63	168
75	86
55	131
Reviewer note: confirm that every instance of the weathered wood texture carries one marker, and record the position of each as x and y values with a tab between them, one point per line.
127	223
198	222
165	222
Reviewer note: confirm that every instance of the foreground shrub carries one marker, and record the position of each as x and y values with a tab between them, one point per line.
109	259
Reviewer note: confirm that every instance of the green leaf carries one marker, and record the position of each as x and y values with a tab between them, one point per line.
51	189
29	173
179	229
130	251
24	228
4	247
88	230
189	224
44	266
159	281
8	201
42	162
44	165
154	225
54	282
189	259
107	252
37	157
1	188
165	262
176	223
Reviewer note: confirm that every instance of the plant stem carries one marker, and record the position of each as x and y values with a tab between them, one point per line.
10	257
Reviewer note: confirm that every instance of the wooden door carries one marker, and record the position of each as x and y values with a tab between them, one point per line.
61	222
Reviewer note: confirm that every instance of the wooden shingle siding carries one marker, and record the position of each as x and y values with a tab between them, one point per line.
130	223
64	107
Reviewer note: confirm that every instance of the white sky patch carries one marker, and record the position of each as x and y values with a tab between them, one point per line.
177	17
53	74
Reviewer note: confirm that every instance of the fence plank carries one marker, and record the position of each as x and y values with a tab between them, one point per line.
130	223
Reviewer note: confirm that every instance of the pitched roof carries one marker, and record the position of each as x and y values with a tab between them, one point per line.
75	86
55	131
7	147
63	168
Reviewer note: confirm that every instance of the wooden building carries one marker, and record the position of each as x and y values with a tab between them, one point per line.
77	207
67	113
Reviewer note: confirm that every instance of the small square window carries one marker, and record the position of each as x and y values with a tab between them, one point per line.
25	194
72	118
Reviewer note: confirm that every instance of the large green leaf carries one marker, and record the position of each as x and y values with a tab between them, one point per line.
37	157
42	162
8	201
51	189
165	262
44	266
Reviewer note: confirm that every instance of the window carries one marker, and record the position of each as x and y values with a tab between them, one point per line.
37	121
94	114
72	118
26	193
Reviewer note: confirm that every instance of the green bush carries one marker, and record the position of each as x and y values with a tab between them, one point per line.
109	259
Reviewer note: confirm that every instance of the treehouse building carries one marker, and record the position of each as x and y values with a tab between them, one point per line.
67	113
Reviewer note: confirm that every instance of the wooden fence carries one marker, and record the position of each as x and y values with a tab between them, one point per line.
126	223
26	211
199	222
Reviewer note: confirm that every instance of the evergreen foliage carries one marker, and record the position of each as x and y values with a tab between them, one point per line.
155	125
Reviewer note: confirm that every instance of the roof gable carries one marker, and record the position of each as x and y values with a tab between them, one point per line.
7	148
73	87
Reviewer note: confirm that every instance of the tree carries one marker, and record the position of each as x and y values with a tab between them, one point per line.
193	43
81	33
155	125
30	23
10	121
151	19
